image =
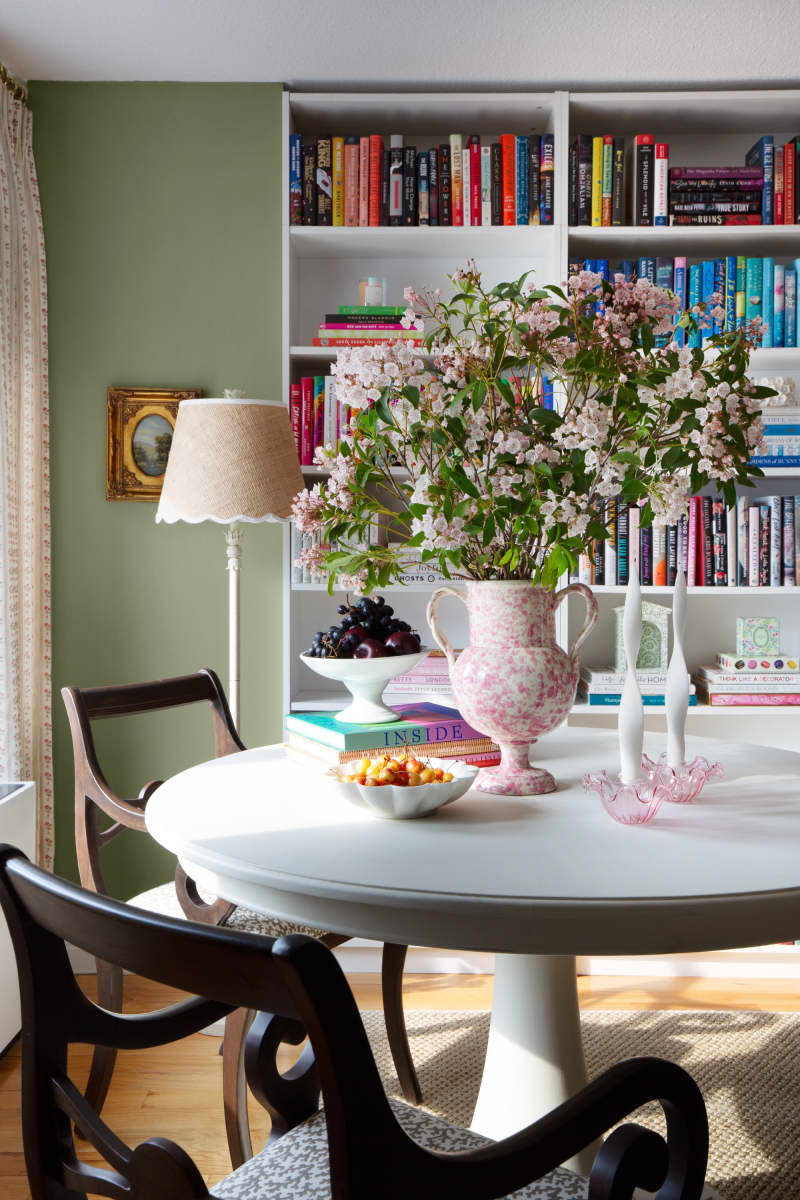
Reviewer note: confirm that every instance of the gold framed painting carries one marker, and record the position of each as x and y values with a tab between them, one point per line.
140	422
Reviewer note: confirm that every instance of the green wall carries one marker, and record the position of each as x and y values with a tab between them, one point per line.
162	222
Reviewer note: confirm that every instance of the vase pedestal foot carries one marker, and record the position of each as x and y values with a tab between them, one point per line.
515	776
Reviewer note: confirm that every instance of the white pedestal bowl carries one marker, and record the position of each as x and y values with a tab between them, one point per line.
365	679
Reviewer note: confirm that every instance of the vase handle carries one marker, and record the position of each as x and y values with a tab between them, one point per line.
442	641
591	613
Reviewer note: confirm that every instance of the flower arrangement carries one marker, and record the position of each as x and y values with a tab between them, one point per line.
459	457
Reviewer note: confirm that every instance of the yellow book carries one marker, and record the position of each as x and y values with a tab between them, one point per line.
597	181
337	180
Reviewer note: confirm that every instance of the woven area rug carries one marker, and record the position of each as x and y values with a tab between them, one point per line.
747	1065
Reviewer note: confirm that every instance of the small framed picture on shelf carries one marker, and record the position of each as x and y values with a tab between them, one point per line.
139	427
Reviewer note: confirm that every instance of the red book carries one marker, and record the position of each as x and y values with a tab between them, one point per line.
777	205
508	159
363	182
788	183
475	180
693	538
356	341
295	403
307	421
375	152
762	699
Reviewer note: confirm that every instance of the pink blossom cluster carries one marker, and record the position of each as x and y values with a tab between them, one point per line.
312	559
362	372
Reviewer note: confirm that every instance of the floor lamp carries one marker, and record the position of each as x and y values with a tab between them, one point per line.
232	461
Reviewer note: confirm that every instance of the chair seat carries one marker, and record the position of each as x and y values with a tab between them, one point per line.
296	1166
164	900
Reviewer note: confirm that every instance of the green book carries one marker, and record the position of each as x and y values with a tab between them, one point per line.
423	725
372	310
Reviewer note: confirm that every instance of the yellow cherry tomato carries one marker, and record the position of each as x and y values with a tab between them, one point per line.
447	777
414	779
427	775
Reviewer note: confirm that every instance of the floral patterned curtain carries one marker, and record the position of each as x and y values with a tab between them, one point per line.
25	708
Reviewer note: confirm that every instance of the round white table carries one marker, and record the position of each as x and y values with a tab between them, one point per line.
538	880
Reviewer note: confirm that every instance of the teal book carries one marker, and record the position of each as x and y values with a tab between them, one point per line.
420	725
767	298
694	298
730	293
613	700
754	275
741	275
708	271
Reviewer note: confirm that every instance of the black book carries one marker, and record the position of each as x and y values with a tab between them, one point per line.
433	184
618	213
644	159
599	548
423	189
359	319
445	186
707	507
646	554
547	178
324	182
572	183
534	179
584	179
719	526
409	185
309	183
672	554
385	162
497	184
623	526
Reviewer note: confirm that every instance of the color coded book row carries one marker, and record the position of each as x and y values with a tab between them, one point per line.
366	180
780	164
317	420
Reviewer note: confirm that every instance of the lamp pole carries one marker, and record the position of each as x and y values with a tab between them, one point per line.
233	543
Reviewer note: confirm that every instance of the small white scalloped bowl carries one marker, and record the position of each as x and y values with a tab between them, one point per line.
394	803
365	679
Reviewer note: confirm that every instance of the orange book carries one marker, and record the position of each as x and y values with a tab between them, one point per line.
508	152
351	155
363	182
375	155
456	180
337	181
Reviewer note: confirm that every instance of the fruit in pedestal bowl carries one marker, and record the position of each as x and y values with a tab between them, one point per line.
369	623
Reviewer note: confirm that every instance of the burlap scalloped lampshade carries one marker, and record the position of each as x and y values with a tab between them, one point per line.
230	460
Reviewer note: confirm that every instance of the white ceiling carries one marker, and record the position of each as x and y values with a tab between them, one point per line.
396	43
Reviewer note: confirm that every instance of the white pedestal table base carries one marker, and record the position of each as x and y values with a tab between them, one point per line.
534	1059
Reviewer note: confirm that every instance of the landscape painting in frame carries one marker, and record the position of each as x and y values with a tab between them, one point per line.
140	422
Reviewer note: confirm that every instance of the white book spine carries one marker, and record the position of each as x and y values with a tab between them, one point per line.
585	571
306	574
660	176
634	541
754	523
330	411
465	185
486	185
775	541
730	544
742	531
659	545
297	572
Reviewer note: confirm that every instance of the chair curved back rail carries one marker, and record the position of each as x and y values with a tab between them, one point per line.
298	981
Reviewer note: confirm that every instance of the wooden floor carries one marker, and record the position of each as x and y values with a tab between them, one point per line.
175	1090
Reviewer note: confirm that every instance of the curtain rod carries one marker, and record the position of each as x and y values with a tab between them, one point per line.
13	86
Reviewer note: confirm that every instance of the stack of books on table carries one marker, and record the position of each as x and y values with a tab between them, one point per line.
430	730
366	325
428	680
602	687
769	681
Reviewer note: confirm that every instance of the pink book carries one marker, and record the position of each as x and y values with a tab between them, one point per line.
307	421
363	182
694	519
753	544
361	325
295	402
763	699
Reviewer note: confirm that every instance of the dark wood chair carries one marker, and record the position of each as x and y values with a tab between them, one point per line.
181	897
360	1146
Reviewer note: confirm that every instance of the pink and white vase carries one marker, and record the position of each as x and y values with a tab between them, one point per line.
513	681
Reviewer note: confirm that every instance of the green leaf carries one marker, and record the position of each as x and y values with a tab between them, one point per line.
646	335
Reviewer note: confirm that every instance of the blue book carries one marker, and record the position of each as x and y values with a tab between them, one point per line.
547	392
590	264
601	266
753	277
741	290
730	293
522	180
295	179
646	269
790	307
767	298
679	282
695	338
778	304
613	699
708	271
775	460
719	288
762	154
665	270
627	268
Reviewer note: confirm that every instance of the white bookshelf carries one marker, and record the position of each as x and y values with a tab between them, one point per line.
322	266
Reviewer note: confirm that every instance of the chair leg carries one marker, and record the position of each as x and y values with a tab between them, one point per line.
393	961
234	1086
109	995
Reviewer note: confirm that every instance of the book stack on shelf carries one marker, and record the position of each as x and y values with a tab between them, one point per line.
428	680
365	325
365	181
430	730
755	544
601	687
770	682
748	287
782	437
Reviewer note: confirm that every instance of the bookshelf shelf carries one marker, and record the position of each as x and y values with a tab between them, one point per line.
709	593
633	240
696	712
423	241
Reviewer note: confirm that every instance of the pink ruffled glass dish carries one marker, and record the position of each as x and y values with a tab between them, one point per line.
629	803
684	784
